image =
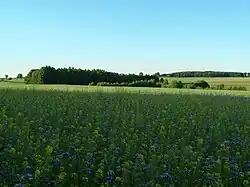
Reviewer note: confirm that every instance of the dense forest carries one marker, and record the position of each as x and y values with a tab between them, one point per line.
206	74
51	75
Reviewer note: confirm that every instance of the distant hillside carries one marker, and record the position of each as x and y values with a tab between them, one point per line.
206	74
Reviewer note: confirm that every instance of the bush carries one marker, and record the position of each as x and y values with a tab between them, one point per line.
202	84
141	83
92	84
220	87
241	88
161	80
176	84
192	86
165	84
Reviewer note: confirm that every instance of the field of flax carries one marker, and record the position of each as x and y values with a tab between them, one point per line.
56	138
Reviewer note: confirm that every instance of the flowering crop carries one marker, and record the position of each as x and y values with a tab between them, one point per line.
53	138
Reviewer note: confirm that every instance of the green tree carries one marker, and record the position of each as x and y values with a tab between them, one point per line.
202	84
176	84
20	76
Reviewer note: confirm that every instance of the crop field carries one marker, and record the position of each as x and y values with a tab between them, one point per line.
121	138
213	81
143	90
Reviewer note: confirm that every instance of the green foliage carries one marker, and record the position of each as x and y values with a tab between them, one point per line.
140	83
164	83
161	80
52	138
36	77
176	84
201	84
241	88
19	76
28	78
50	75
221	87
206	74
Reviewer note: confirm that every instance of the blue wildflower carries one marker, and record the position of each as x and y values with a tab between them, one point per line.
28	167
109	179
19	185
65	154
89	162
110	172
118	150
73	146
28	176
166	175
118	168
89	171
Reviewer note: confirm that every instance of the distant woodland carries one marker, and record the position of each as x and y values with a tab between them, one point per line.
98	77
51	75
206	74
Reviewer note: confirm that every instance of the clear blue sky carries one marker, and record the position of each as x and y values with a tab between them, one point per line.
125	35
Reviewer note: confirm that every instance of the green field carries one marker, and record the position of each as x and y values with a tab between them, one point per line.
58	135
238	81
10	85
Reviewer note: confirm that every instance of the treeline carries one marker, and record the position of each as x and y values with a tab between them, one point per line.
97	77
206	74
200	84
51	75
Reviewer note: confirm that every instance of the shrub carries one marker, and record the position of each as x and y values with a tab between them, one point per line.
241	88
220	87
202	84
176	84
192	86
92	84
165	84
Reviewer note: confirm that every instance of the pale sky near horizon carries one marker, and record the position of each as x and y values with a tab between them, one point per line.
125	36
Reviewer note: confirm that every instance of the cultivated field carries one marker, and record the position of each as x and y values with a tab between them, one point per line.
143	90
238	81
91	136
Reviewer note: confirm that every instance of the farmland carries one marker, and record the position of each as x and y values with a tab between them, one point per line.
213	81
90	136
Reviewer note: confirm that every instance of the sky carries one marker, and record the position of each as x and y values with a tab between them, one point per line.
128	36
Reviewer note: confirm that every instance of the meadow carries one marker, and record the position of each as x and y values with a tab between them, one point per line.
53	135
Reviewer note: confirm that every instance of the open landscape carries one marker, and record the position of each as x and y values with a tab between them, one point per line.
68	135
134	93
214	81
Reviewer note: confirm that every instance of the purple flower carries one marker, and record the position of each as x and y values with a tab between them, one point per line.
89	171
118	150
166	175
110	173
19	185
65	154
89	162
109	179
28	176
28	167
73	146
